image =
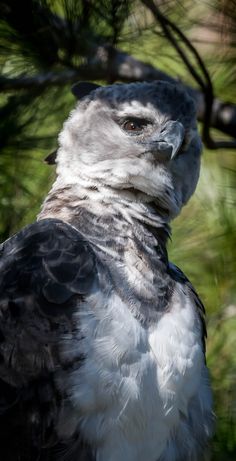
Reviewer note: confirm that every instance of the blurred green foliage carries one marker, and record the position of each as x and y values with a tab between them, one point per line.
24	177
204	238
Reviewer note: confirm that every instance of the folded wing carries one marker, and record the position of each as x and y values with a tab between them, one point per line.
46	271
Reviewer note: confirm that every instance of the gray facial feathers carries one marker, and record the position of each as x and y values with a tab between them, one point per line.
163	163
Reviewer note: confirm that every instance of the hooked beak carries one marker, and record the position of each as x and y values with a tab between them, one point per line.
169	141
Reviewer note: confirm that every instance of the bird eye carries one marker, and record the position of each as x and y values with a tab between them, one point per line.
134	125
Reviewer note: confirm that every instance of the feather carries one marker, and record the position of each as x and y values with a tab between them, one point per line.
102	339
41	288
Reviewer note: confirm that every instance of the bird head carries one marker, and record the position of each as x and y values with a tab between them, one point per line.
139	136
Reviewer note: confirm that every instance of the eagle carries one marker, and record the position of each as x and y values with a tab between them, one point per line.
102	338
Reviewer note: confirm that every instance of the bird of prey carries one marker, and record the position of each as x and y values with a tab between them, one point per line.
102	354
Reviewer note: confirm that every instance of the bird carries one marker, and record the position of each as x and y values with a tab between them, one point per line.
102	338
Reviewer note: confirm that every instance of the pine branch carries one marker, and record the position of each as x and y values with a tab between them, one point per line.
38	26
125	68
199	71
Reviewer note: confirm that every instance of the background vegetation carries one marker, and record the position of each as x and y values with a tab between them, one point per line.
46	46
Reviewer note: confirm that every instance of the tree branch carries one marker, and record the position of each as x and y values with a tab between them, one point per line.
123	67
170	29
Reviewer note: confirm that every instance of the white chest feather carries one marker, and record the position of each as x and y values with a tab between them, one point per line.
136	383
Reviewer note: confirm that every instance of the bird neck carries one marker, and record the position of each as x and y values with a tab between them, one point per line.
104	212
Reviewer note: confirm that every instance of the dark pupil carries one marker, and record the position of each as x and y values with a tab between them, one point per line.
132	126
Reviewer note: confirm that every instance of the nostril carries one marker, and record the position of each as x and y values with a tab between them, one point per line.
163	129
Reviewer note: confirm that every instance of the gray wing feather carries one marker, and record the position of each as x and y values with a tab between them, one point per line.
180	277
46	271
